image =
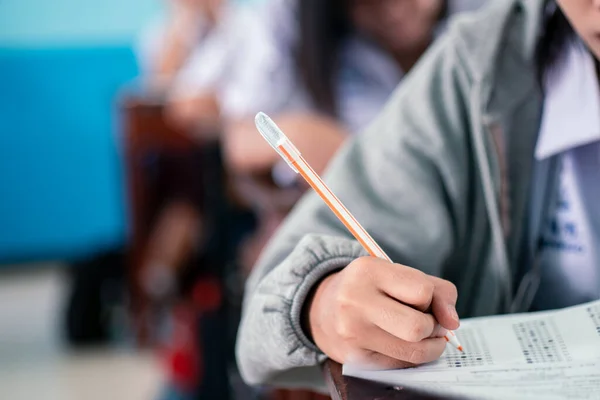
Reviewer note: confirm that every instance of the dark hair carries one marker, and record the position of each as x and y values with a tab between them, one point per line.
556	34
324	25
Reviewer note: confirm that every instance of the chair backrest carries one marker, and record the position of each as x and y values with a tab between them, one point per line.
158	158
146	127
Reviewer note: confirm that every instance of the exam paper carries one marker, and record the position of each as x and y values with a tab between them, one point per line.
545	355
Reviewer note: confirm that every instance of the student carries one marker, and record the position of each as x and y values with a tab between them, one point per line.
198	94
188	58
481	173
326	68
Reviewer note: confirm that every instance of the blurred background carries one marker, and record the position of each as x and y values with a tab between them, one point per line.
135	193
62	191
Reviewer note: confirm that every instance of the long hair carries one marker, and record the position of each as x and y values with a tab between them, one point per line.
556	35
324	25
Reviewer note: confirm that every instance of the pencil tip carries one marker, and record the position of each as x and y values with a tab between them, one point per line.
461	349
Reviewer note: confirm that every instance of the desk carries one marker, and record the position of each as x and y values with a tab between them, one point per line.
347	388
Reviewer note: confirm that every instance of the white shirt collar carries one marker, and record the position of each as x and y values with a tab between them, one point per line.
571	115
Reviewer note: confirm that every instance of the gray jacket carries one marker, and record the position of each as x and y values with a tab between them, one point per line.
441	180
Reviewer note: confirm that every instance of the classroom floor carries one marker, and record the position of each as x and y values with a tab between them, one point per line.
35	365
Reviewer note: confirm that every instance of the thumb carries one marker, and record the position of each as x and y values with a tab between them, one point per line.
443	304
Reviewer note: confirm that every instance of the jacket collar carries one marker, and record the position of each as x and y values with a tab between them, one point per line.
571	106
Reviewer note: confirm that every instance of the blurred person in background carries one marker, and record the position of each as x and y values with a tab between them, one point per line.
189	56
326	69
166	45
185	58
172	43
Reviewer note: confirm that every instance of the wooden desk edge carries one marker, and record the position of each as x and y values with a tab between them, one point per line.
333	376
344	388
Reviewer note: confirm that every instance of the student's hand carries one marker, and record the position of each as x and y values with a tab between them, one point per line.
382	315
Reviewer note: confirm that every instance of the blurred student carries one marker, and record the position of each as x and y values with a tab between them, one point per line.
480	173
185	57
327	67
165	47
188	57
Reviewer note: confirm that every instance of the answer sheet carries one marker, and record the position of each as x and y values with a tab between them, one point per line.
544	355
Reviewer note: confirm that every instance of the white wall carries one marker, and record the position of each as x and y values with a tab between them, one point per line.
72	22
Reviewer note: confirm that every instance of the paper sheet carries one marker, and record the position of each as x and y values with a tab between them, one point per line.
547	355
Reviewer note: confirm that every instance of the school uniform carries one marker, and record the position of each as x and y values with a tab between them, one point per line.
570	132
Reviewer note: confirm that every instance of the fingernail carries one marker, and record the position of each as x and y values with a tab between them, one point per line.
453	313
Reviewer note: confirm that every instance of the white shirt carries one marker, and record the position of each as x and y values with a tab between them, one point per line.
216	51
268	80
571	233
215	59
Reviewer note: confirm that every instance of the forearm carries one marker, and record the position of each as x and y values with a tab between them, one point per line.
317	138
245	150
180	36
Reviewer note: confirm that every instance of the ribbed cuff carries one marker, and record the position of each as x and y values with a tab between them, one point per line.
319	272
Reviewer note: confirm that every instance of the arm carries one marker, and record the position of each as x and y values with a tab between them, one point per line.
176	46
194	99
405	181
317	137
167	46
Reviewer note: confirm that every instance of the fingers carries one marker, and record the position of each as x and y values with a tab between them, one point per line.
443	304
416	289
387	315
397	353
407	285
400	320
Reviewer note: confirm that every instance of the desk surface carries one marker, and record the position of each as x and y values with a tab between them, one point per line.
347	388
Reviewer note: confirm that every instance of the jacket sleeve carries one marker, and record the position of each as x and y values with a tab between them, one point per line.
404	179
